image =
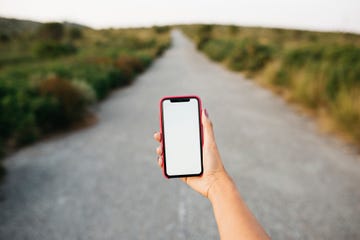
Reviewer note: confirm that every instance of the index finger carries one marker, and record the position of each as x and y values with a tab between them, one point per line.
157	136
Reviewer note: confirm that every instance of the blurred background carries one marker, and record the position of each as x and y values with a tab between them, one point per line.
60	59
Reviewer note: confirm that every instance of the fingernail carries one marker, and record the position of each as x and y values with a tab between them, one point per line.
206	113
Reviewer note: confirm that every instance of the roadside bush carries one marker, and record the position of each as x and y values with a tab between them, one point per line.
337	66
94	73
85	90
125	69
146	59
34	103
218	49
26	130
206	29
54	49
129	62
101	85
161	49
346	109
133	42
48	113
204	34
202	41
249	55
72	104
161	29
316	69
17	121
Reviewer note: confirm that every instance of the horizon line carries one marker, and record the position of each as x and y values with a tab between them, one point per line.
225	23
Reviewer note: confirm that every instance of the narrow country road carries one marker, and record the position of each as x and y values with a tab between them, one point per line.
103	182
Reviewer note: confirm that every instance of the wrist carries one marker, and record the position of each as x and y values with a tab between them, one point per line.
222	183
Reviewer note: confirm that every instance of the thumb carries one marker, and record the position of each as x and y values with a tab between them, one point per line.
207	128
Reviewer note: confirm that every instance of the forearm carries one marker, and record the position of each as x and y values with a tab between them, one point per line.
234	219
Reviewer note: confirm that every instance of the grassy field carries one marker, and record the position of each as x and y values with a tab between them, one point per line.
318	70
50	75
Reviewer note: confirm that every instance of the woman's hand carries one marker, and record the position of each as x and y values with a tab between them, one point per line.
213	167
234	219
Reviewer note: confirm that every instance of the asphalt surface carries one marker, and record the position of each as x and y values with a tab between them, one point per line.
103	182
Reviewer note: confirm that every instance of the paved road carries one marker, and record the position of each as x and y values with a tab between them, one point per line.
103	182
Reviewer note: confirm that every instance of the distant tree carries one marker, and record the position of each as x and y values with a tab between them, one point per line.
52	31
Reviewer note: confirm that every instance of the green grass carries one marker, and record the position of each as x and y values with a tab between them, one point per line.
50	76
320	70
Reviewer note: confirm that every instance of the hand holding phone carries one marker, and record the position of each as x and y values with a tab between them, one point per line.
217	185
181	129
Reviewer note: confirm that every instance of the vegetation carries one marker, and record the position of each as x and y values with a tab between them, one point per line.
317	69
49	76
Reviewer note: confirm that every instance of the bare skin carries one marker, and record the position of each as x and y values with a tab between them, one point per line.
233	217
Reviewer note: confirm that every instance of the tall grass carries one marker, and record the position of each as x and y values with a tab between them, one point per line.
319	70
49	77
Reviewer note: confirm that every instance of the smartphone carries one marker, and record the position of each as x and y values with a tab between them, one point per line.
181	129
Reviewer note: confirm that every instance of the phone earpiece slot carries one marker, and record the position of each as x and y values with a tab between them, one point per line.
180	100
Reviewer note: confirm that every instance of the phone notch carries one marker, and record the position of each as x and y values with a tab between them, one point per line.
176	100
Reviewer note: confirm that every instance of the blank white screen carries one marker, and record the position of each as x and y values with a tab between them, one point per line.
182	137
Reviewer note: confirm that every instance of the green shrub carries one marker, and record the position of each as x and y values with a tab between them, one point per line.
72	103
319	70
85	90
339	66
146	60
300	56
282	78
26	130
203	39
101	86
133	42
161	49
206	29
34	103
54	49
126	62
17	120
96	75
218	49
47	110
249	55
204	34
119	77
161	29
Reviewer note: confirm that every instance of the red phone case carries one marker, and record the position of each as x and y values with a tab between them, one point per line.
161	125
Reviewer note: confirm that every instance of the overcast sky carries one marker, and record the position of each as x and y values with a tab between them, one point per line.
338	15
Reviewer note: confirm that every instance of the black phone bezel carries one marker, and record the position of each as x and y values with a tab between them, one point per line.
174	100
